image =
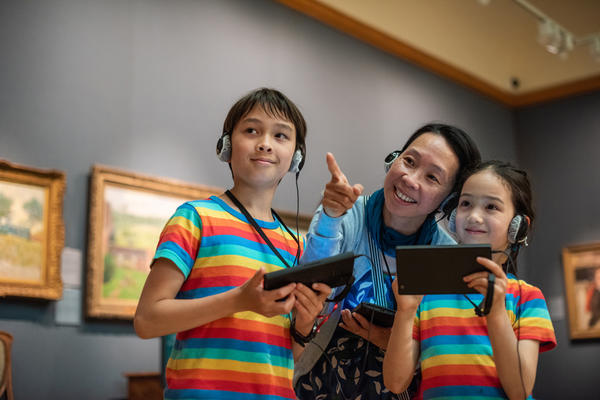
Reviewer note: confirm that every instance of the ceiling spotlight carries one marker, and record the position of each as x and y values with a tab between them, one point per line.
554	39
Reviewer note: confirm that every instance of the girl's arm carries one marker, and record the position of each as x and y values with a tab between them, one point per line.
517	381
402	352
160	313
504	344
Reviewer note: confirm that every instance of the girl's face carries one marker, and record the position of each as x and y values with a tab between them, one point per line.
485	209
417	182
262	148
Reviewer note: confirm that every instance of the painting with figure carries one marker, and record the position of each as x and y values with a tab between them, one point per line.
582	285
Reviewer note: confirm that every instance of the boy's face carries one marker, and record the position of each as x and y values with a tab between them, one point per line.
485	209
262	148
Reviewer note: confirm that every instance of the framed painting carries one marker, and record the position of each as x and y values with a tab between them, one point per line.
31	231
127	212
582	283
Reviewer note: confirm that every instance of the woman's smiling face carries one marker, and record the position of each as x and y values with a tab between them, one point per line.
417	182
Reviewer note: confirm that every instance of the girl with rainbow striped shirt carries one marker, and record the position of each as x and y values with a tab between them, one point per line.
463	355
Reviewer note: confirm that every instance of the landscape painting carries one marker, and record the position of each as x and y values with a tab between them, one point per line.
31	231
127	214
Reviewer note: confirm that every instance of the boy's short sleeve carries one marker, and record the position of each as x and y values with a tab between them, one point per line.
534	321
180	238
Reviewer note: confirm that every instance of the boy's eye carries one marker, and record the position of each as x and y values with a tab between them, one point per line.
492	207
250	130
281	136
464	203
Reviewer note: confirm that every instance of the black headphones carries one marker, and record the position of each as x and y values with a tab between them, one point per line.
224	153
517	229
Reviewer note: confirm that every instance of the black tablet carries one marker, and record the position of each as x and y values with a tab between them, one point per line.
333	271
376	314
438	269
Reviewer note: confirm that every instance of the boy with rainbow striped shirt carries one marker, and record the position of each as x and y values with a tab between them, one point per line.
205	284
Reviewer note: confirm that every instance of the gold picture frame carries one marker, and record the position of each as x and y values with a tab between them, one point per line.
581	265
127	212
32	231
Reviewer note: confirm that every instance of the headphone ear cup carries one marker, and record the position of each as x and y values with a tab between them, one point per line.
452	221
517	229
389	160
224	148
297	162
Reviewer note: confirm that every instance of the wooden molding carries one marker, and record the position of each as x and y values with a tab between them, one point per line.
557	92
426	61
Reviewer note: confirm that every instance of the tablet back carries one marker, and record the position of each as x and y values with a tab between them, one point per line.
334	271
438	269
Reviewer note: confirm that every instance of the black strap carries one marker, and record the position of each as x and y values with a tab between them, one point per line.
489	295
258	229
485	306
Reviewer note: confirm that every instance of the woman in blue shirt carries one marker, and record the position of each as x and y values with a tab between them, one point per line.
345	358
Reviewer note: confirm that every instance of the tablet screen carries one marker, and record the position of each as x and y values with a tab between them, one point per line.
438	269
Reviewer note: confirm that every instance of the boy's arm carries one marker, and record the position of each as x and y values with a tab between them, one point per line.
309	303
160	313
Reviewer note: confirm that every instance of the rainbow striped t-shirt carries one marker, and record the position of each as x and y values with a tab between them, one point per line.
456	354
243	356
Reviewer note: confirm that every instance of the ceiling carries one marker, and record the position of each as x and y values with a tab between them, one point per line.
491	47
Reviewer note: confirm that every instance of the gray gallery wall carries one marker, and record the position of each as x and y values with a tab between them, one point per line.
558	143
145	86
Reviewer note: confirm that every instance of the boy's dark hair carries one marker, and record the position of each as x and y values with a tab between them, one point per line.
517	181
275	104
463	147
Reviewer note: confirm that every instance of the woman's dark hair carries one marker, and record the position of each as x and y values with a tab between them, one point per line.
517	181
275	104
463	147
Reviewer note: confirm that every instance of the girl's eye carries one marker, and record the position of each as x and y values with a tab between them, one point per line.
464	203
492	207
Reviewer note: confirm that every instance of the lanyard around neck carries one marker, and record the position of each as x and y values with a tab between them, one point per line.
258	229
